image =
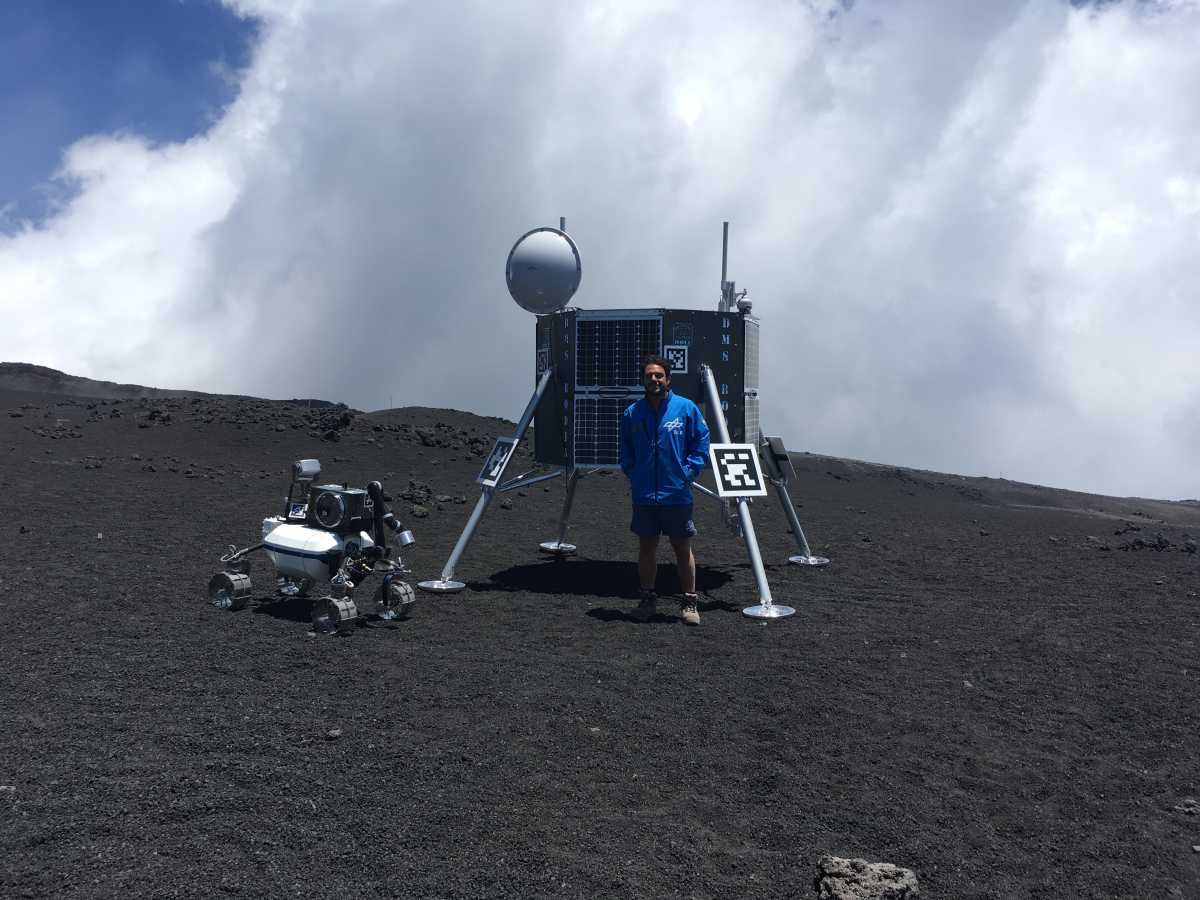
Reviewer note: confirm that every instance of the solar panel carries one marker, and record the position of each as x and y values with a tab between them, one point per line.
751	354
609	351
753	428
596	428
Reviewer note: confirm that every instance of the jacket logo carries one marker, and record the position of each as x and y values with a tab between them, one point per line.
674	425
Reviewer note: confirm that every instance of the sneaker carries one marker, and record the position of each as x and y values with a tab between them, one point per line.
647	605
688	611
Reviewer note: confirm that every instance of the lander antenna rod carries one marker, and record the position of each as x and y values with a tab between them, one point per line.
724	251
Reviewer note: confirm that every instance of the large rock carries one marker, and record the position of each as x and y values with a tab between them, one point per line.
857	879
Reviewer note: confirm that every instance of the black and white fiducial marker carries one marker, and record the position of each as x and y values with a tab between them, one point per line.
493	469
737	471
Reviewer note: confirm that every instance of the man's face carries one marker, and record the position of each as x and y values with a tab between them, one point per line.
655	380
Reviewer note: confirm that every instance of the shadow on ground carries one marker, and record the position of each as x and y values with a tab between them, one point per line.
594	578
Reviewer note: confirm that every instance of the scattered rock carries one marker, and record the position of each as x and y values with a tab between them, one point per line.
857	879
984	533
333	734
429	438
1159	544
1055	540
444	498
418	511
506	504
1189	546
418	492
1188	806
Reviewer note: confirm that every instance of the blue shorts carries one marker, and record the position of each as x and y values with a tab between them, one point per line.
673	521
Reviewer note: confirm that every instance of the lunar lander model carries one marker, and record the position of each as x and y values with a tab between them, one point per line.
327	533
588	370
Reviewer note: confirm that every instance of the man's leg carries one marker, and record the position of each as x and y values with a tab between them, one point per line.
647	561
685	562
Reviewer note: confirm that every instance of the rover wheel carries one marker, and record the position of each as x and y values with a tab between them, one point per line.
229	590
334	615
395	600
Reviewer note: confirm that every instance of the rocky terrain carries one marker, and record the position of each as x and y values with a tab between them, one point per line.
993	685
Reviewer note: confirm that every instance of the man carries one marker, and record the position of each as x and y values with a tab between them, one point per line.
663	447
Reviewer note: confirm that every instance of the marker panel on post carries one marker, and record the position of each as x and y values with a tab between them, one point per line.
737	470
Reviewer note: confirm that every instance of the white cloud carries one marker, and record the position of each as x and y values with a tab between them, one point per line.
970	229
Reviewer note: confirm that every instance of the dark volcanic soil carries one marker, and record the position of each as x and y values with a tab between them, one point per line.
983	687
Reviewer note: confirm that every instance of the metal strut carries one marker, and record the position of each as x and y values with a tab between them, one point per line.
560	547
446	584
805	557
766	608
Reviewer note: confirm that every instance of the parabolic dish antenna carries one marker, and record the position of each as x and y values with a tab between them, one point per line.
543	271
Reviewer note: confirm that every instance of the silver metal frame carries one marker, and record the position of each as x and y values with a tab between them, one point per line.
766	608
446	584
560	547
779	477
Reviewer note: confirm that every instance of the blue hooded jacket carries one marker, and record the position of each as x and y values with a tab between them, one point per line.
662	453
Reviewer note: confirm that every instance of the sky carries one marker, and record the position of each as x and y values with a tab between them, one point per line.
970	230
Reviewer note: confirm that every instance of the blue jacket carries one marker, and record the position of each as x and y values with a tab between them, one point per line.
662	453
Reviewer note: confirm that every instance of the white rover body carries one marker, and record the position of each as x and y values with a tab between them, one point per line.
330	534
299	552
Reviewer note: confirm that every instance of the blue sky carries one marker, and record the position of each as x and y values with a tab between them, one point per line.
69	69
971	230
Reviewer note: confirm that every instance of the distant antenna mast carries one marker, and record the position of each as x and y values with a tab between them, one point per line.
730	298
726	287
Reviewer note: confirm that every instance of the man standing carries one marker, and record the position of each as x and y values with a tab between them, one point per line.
663	447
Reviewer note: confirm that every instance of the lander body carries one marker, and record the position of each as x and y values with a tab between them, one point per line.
588	370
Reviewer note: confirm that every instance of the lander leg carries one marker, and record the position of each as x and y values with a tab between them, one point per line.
446	584
779	466
805	557
766	608
560	547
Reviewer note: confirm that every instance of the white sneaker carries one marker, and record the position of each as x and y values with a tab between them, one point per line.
688	611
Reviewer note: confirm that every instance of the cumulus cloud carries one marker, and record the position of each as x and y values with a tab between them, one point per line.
970	229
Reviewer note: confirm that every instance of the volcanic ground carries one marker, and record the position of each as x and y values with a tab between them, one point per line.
992	684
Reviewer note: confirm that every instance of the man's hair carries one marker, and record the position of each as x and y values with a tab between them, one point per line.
653	360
